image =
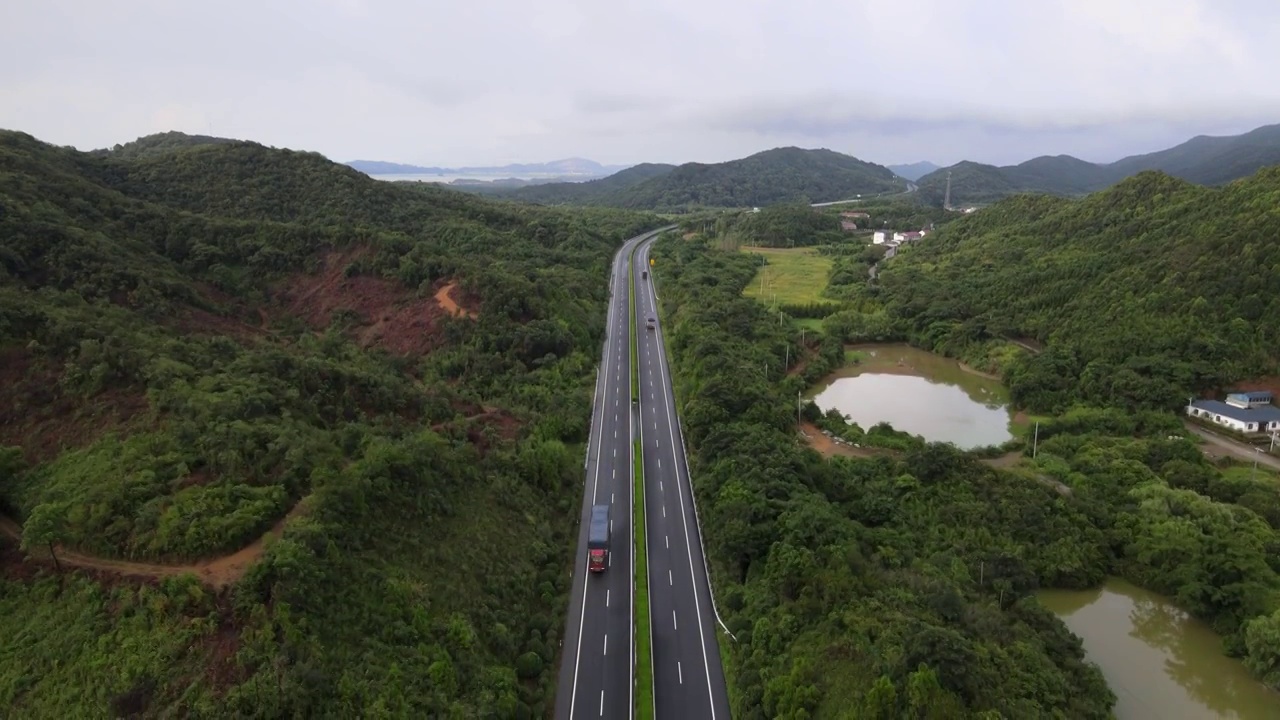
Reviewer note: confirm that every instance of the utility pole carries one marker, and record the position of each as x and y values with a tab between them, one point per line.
798	423
1035	441
786	364
1257	453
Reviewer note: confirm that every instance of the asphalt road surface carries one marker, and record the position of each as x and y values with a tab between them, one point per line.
687	676
596	667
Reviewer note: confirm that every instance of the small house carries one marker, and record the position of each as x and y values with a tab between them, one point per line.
1250	399
1262	418
880	236
848	225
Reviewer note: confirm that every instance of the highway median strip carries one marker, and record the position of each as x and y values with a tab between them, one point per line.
643	659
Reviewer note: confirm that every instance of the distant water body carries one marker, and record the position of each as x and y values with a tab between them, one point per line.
450	178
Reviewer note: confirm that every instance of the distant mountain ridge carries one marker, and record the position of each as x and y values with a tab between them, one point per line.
565	167
914	171
1203	160
788	174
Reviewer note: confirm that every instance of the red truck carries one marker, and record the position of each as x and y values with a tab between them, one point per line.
598	539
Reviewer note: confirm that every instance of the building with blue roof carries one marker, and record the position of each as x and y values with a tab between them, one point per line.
1243	412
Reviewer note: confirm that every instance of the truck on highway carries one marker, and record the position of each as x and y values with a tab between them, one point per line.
598	539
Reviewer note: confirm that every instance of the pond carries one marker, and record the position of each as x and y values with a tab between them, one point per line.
1159	661
920	393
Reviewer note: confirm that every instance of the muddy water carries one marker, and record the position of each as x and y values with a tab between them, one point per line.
1160	662
920	393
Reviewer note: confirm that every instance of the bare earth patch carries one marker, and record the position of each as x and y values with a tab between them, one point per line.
387	314
446	297
828	447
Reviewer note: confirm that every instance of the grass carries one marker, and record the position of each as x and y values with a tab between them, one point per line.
811	325
793	275
644	660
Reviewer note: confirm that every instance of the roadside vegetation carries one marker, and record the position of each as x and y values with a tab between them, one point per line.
901	583
198	341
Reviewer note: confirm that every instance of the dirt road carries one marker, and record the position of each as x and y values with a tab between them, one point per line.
1238	450
217	572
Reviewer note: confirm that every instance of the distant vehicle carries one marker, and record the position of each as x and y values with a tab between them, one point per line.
598	539
644	274
652	322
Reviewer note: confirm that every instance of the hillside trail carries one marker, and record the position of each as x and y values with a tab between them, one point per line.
217	572
444	296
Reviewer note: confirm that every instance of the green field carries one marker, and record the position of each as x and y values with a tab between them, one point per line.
793	275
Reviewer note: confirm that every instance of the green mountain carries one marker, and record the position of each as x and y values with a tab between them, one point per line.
1144	293
160	144
913	171
280	440
607	191
1203	160
775	176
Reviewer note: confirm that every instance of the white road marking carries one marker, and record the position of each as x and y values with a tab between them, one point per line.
681	671
611	501
606	644
602	702
659	463
660	486
606	600
664	511
668	539
669	580
674	625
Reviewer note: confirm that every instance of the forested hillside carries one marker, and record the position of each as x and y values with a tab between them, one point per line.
900	585
774	176
606	191
1203	160
1143	294
353	410
854	589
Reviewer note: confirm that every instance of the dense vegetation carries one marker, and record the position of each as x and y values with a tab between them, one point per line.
899	586
1144	294
799	225
159	144
780	175
199	341
1203	160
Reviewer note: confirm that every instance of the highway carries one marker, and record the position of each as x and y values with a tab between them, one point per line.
596	666
687	676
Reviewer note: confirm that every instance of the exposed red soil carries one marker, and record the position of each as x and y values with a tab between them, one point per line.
217	573
387	314
829	448
447	297
1270	383
36	416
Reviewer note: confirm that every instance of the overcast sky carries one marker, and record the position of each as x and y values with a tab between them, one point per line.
619	81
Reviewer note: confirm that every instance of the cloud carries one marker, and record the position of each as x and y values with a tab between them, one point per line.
661	80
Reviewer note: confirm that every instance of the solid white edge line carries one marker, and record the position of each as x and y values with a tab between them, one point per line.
577	660
697	604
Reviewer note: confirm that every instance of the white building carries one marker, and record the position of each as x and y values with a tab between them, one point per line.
880	237
1250	412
